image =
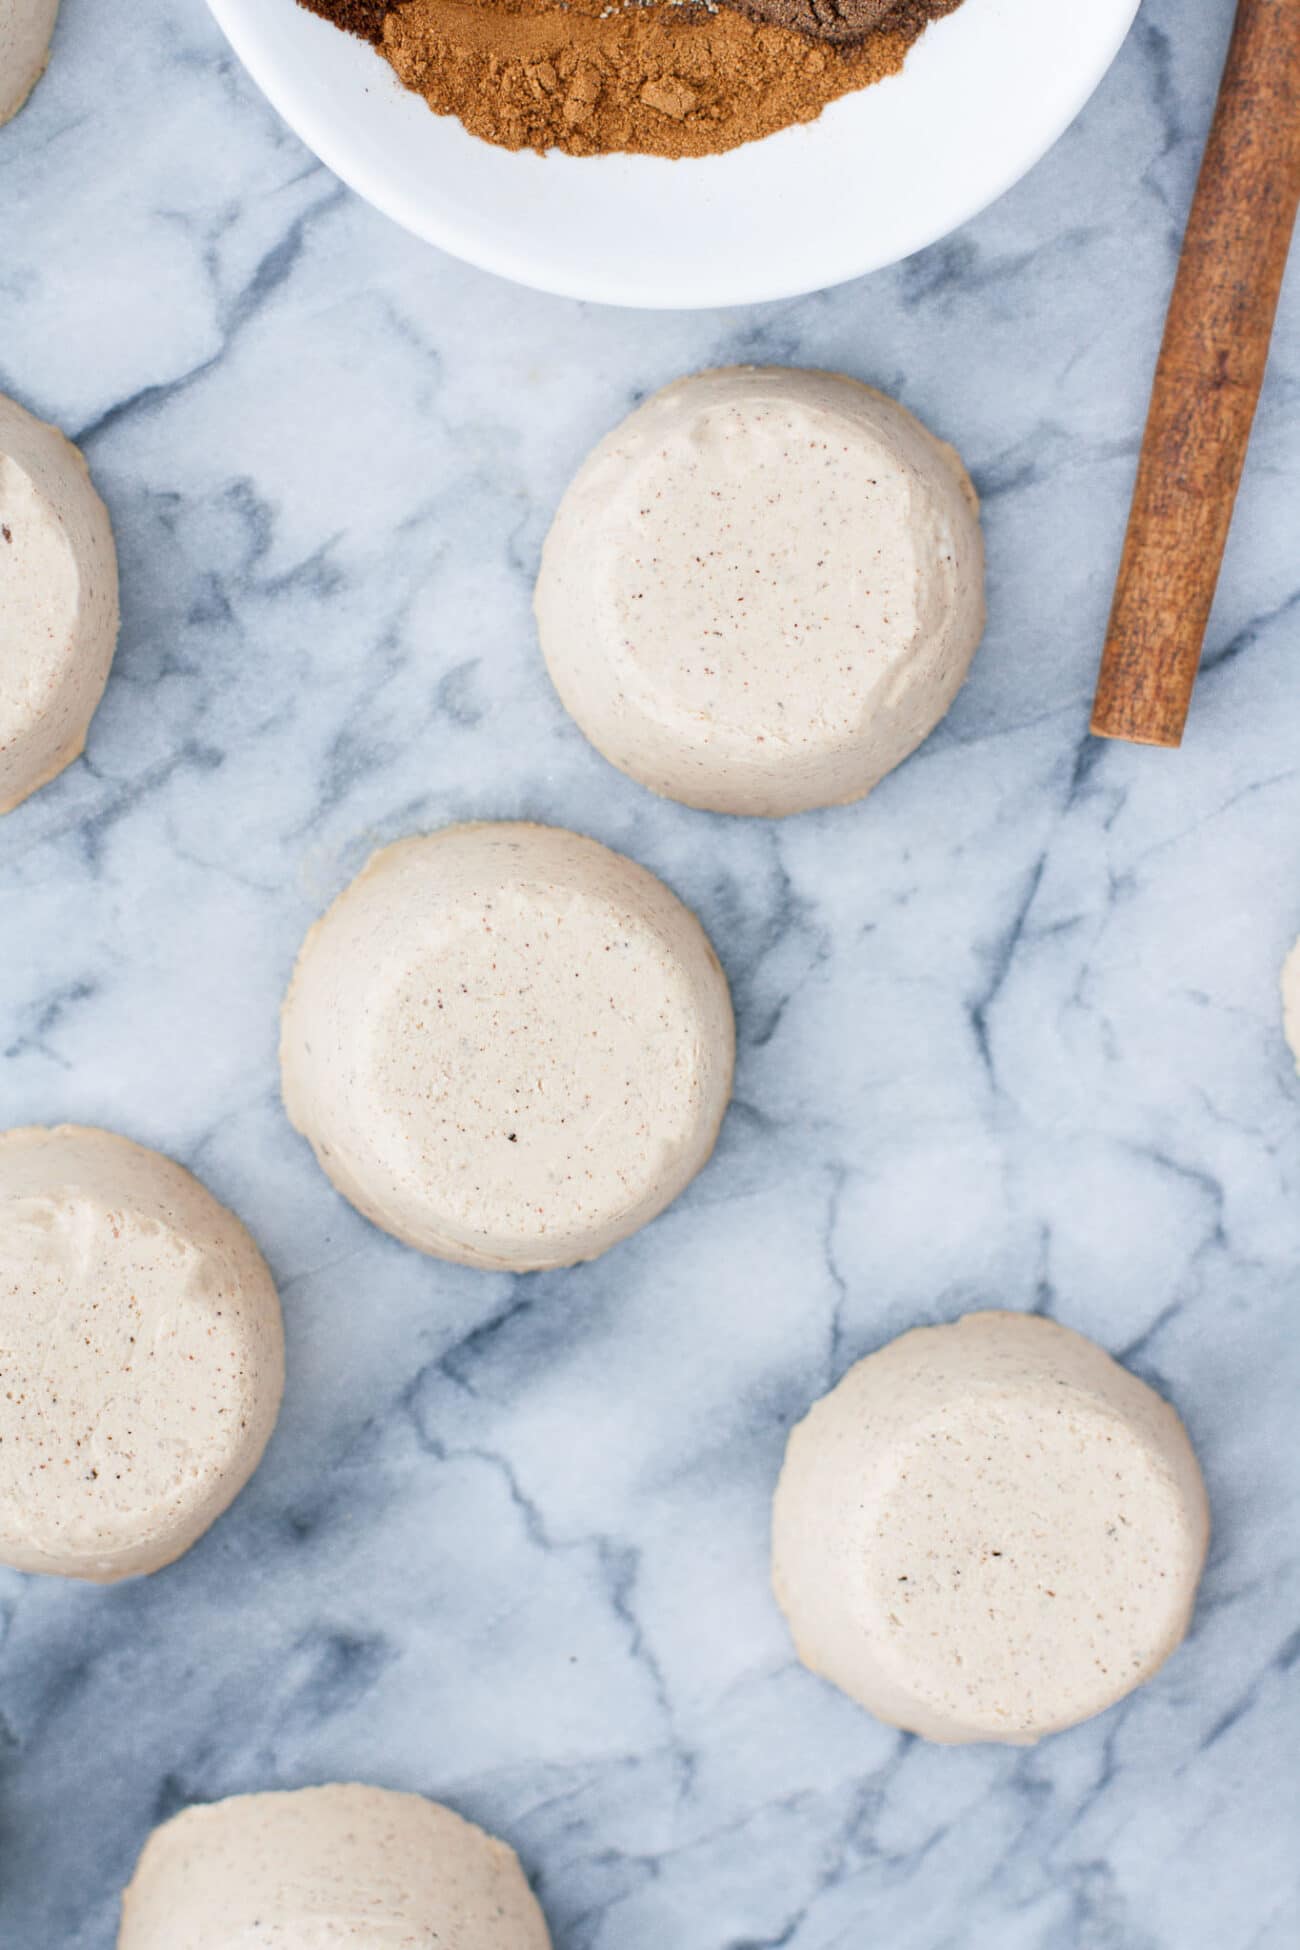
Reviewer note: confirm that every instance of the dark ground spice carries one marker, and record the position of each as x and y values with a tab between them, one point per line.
831	20
365	18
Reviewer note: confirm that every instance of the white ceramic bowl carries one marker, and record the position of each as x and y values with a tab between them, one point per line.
884	172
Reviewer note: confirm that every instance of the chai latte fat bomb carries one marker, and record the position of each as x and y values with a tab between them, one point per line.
26	28
989	1531
326	1867
142	1355
507	1045
58	602
763	590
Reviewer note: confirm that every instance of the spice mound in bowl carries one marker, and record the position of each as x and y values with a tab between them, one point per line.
650	77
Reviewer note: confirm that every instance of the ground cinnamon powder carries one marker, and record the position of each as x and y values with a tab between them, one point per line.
656	77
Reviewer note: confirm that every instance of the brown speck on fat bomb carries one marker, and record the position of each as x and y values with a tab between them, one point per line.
6	533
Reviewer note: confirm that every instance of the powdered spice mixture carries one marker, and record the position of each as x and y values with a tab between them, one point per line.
655	77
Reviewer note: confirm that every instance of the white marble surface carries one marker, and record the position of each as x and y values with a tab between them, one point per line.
1009	1032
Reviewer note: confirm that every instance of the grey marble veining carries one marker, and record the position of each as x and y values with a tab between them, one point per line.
1009	1032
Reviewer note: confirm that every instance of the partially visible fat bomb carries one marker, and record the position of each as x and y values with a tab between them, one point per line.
507	1045
142	1350
989	1531
333	1868
26	28
1291	1000
58	602
763	590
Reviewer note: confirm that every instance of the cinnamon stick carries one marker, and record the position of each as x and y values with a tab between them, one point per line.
1207	383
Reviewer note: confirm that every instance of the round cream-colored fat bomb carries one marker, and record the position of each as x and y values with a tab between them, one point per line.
359	1867
26	28
58	602
989	1531
507	1045
142	1355
763	590
1291	1000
